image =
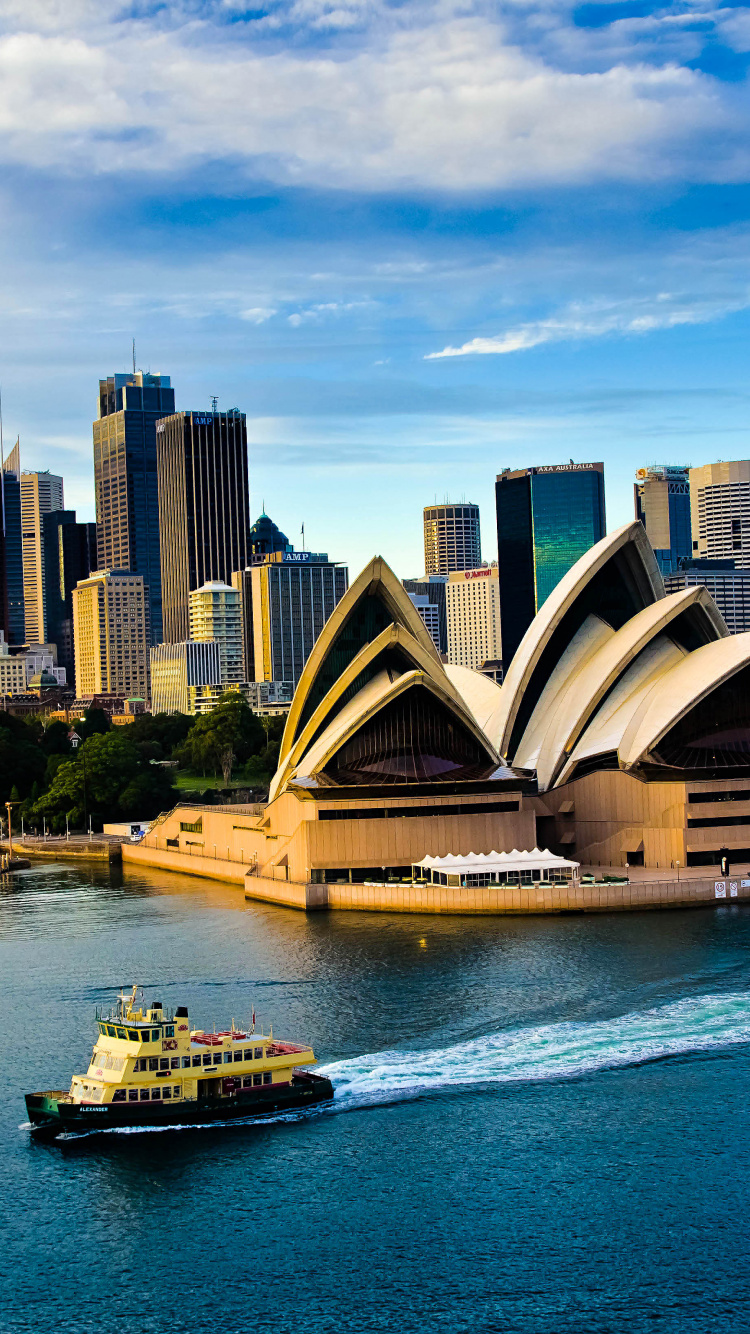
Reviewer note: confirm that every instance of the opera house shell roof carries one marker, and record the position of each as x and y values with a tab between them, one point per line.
611	674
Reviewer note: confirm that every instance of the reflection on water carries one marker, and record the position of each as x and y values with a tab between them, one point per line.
514	1157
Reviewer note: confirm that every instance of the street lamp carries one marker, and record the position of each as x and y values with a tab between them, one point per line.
9	807
75	742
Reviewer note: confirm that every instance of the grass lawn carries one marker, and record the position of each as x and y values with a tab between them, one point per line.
195	783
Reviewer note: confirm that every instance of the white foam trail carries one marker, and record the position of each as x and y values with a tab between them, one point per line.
551	1051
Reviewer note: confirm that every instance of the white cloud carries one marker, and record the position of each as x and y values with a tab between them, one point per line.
598	319
447	103
258	314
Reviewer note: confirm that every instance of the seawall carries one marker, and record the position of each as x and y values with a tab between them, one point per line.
491	900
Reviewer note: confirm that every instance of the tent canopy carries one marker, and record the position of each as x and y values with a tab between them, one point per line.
475	862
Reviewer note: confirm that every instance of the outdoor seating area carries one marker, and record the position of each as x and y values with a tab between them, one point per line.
476	870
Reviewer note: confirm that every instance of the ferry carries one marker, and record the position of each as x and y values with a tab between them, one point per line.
149	1068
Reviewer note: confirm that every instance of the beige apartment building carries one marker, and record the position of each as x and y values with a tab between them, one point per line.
720	511
473	616
111	629
41	493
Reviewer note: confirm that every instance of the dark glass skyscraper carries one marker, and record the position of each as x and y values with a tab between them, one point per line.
127	509
12	556
204	507
69	553
547	518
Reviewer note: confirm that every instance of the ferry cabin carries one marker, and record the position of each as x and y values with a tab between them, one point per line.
156	1058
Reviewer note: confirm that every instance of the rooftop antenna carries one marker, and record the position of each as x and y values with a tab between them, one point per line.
134	356
214	401
303	537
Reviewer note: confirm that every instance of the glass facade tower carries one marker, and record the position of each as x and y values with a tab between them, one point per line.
547	517
69	550
13	609
127	508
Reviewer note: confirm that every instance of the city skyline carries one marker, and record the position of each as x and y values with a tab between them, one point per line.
394	302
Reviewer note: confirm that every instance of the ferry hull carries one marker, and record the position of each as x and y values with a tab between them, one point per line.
52	1114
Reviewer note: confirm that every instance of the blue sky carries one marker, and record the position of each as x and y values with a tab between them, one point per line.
414	243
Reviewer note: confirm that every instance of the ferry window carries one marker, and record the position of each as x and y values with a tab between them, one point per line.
103	1029
247	1081
145	1035
122	1033
139	1065
177	1090
259	1053
208	1059
257	1079
166	1092
164	1063
145	1095
132	1095
196	1060
112	1032
186	1062
153	1062
118	1095
169	1031
227	1058
238	1056
267	1077
154	1034
155	1093
174	1063
133	1034
249	1055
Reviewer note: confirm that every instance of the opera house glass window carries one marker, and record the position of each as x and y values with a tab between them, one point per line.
413	738
715	735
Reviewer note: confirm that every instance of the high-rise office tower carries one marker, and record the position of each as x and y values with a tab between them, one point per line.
41	493
13	613
203	507
547	517
662	503
69	556
729	588
287	598
720	511
127	505
451	538
215	614
266	538
428	596
112	634
473	612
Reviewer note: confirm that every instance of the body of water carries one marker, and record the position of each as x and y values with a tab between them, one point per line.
539	1125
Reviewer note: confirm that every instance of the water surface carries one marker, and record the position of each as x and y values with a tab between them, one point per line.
540	1124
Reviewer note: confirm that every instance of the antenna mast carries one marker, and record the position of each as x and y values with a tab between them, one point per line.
134	356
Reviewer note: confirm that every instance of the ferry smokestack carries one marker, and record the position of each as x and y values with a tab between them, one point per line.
181	1012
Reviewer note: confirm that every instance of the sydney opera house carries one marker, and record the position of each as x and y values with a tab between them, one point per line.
620	737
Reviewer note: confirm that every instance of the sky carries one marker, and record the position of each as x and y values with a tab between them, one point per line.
414	243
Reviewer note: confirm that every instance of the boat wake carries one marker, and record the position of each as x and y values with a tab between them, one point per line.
563	1050
552	1051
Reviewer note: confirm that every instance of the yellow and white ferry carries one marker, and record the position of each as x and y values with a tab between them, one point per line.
149	1068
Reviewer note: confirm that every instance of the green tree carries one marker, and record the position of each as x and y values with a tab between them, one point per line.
93	722
54	738
230	734
116	779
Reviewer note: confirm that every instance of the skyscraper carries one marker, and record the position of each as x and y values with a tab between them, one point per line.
111	633
547	517
428	596
15	628
473	610
720	511
185	678
662	503
451	538
204	506
287	598
69	557
41	493
216	616
127	507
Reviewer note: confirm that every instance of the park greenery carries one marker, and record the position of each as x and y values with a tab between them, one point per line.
58	772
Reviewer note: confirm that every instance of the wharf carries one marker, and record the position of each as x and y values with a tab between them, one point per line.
59	848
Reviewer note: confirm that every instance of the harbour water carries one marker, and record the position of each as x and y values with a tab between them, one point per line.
540	1124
